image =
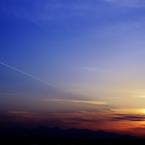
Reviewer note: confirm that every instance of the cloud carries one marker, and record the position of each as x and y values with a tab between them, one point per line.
20	112
62	120
79	120
128	3
46	10
6	94
94	69
128	114
128	111
104	119
80	101
120	117
40	12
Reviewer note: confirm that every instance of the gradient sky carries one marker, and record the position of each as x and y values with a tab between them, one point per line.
73	63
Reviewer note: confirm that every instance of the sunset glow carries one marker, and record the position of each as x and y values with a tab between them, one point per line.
73	64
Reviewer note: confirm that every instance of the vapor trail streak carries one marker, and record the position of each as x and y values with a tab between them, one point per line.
27	74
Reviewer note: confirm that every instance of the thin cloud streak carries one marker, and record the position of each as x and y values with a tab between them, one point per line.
128	3
80	101
120	117
94	69
27	74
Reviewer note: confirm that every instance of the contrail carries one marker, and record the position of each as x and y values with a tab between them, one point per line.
27	74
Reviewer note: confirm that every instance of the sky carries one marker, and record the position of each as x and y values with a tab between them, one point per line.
73	64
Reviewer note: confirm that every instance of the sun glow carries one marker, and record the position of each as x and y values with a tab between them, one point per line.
143	111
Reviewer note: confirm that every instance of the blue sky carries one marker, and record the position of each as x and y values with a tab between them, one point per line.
88	50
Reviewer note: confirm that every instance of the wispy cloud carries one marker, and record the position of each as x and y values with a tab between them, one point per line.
128	111
6	94
94	69
105	119
128	114
59	11
20	112
62	120
128	3
79	101
120	117
46	10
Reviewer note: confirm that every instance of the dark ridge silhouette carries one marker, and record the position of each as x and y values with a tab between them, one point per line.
60	133
55	136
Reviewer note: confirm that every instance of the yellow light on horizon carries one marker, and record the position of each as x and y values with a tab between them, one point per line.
130	110
143	110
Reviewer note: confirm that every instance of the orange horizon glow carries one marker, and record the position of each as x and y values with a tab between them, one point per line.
116	120
73	64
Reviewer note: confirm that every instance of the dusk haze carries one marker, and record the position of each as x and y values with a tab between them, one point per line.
73	64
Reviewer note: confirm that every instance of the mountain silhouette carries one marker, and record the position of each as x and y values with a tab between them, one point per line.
56	132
